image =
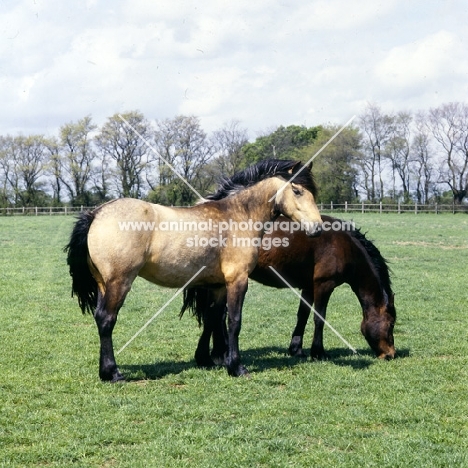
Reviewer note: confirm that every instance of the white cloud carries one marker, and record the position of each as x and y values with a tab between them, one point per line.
423	61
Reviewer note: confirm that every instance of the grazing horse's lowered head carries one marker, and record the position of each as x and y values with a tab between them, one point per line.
377	327
377	301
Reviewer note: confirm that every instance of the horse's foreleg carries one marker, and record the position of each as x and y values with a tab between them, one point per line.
322	295
106	317
303	313
235	299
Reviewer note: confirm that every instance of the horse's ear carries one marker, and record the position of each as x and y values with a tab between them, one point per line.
309	165
294	167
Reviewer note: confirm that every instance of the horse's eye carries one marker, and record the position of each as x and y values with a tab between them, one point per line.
296	191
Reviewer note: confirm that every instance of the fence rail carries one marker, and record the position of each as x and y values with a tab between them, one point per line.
326	207
47	210
392	208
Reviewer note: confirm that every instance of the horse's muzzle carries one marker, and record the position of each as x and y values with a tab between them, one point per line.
314	231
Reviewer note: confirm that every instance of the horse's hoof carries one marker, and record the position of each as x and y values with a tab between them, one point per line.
218	360
243	372
205	363
112	377
240	371
295	347
297	352
118	379
318	355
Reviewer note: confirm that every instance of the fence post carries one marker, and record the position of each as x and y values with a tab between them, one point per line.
436	208
415	207
362	207
331	206
380	207
345	206
35	209
65	210
399	207
321	206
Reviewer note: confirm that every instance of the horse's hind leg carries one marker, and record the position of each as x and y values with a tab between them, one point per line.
105	317
202	353
210	304
303	313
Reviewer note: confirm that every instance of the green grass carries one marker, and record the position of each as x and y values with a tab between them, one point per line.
350	411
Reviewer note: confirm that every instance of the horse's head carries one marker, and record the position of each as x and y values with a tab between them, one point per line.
377	328
296	200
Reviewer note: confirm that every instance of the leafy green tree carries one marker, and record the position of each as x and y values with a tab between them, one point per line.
334	168
283	143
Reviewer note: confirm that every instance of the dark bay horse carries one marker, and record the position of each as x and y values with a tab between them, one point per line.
316	266
125	238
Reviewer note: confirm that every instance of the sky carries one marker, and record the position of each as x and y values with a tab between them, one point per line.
263	63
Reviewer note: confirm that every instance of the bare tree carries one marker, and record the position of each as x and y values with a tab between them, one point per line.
398	151
449	126
5	169
185	146
27	163
124	142
422	167
54	169
77	156
228	144
377	128
9	156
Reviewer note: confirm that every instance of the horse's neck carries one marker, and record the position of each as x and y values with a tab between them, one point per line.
254	202
367	285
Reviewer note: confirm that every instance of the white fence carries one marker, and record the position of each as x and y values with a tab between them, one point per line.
326	207
40	211
392	208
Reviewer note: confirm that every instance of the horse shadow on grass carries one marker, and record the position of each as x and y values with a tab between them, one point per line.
259	360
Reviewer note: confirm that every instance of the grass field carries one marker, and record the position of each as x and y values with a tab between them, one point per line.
349	411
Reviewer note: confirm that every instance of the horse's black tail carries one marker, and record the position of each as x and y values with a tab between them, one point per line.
196	301
84	286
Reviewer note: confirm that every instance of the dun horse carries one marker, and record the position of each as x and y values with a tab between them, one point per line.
125	238
317	266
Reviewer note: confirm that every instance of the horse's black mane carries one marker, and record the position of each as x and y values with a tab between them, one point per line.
260	171
379	262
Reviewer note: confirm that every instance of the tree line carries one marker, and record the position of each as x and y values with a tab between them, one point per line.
401	156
